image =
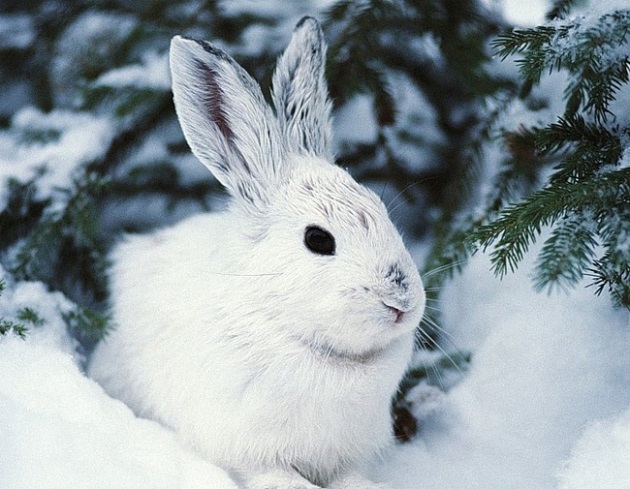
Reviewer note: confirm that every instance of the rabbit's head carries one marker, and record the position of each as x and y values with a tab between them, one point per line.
338	276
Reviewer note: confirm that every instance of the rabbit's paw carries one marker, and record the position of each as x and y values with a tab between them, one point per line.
278	479
356	481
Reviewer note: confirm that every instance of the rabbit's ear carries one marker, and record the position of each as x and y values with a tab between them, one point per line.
300	93
226	120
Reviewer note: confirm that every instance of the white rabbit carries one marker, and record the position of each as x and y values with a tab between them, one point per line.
270	336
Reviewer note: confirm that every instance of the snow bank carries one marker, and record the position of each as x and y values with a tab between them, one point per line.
17	31
543	369
54	144
58	429
600	458
151	73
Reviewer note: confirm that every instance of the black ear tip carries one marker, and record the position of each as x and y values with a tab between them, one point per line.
191	46
309	21
185	40
183	37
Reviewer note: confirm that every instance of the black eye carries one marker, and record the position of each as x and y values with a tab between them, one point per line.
319	241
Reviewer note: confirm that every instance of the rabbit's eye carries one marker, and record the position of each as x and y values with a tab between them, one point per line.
319	241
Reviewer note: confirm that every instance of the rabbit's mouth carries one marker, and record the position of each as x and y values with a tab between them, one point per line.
330	354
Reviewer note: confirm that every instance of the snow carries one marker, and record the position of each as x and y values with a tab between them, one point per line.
544	369
600	457
93	36
517	12
58	429
275	9
16	31
152	72
595	9
56	143
354	122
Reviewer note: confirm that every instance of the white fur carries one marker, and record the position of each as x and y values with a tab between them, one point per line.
273	361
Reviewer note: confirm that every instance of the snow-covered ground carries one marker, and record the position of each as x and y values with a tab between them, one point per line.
59	430
545	404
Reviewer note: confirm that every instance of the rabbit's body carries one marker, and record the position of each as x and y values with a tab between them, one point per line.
273	335
238	394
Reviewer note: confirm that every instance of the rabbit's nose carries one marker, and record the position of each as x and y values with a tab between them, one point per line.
397	306
399	314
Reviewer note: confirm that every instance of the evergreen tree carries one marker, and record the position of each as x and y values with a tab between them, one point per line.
567	179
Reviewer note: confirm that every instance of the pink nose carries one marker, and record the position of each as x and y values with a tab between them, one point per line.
399	314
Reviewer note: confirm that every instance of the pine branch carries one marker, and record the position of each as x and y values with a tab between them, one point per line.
519	225
67	240
87	325
362	59
573	129
586	201
596	75
611	271
517	41
29	315
560	9
587	147
613	279
567	254
7	326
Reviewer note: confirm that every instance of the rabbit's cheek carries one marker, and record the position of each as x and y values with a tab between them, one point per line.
356	336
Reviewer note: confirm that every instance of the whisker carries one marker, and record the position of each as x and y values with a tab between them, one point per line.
436	371
443	332
446	336
383	189
270	274
432	340
443	268
329	351
402	192
446	355
435	288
